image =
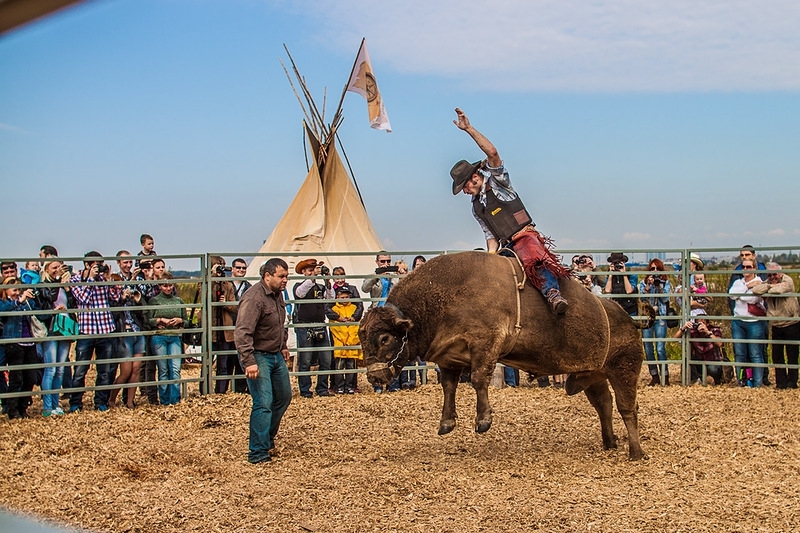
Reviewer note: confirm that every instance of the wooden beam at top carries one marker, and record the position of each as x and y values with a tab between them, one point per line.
15	13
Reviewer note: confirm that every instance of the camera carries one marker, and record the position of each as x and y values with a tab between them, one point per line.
619	265
145	265
220	270
384	270
324	270
316	334
103	269
657	281
580	261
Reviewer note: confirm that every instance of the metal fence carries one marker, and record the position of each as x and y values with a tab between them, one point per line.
197	278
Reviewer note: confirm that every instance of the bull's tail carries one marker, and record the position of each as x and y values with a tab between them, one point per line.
646	310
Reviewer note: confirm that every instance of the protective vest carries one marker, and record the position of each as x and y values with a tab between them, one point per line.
504	219
308	310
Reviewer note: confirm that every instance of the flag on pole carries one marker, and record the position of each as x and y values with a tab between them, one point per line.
362	81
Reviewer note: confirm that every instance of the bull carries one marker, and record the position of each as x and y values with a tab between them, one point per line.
471	310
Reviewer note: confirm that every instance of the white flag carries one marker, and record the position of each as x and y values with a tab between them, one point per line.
362	81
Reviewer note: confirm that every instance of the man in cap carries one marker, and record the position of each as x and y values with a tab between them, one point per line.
309	310
503	217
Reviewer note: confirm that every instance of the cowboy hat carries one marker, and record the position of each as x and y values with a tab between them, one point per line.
305	263
462	172
694	258
616	257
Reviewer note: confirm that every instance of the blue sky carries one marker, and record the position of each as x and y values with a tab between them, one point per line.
625	125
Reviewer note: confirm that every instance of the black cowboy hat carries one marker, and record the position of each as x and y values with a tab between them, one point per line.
462	172
617	256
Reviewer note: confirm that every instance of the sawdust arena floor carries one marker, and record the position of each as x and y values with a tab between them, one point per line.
719	459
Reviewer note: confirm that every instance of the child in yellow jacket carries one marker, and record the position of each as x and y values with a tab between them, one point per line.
345	335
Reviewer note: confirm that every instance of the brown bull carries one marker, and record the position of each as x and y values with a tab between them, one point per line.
465	311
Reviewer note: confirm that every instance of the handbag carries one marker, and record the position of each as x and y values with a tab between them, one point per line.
38	329
756	310
65	325
672	322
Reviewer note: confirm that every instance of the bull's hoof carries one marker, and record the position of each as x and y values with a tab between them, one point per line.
483	426
610	444
444	429
637	455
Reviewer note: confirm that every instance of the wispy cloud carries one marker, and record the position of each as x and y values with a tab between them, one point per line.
9	127
636	236
578	45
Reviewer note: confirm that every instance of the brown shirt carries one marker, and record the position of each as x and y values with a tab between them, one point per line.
259	325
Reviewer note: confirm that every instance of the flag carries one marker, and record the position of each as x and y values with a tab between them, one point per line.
362	81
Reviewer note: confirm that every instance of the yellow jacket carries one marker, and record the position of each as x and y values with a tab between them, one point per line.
345	335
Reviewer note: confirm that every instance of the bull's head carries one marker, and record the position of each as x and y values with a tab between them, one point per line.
384	334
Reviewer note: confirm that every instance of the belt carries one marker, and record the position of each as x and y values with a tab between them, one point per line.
506	242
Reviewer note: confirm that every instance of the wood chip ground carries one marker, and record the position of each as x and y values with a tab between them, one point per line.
720	459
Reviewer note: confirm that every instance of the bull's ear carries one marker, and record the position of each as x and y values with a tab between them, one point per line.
403	323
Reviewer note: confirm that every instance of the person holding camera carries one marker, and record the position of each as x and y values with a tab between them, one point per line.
748	308
53	349
656	284
707	348
97	324
622	284
309	310
222	291
14	298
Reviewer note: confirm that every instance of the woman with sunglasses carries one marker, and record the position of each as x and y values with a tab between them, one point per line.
656	284
746	325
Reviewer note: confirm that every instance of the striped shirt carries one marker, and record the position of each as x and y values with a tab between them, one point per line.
94	297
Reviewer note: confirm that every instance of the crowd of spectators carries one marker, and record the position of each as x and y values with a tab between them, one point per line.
133	312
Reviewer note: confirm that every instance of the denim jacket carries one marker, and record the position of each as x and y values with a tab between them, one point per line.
12	325
659	303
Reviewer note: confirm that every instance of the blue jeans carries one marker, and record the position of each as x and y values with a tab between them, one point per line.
103	349
271	392
753	353
54	351
511	376
168	369
304	362
658	331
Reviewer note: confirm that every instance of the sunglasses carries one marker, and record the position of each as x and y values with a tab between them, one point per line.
240	267
385	261
748	268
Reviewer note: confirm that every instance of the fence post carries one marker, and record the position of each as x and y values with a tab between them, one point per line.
206	383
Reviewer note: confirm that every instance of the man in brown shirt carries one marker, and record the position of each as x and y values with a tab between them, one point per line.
260	339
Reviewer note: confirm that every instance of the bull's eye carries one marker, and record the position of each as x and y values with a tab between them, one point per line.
384	339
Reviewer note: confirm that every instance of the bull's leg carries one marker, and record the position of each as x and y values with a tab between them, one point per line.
600	397
624	385
480	378
449	379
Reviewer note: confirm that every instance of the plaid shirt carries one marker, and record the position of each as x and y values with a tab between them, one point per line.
94	297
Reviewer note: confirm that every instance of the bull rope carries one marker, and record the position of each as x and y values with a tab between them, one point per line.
520	285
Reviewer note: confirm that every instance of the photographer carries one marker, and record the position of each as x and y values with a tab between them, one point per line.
656	284
379	287
222	291
709	350
94	323
308	311
622	284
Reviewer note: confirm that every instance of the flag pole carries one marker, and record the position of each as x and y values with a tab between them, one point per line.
347	83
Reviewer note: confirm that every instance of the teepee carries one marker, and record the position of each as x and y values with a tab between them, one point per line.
327	215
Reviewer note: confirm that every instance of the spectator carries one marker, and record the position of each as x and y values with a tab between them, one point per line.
402	267
511	376
418	262
131	320
656	284
169	317
53	349
583	269
787	328
8	269
695	265
378	286
345	335
18	353
147	371
94	323
239	266
260	338
148	247
159	269
699	300
47	250
747	253
709	350
748	307
222	316
307	311
622	284
340	281
503	218
33	266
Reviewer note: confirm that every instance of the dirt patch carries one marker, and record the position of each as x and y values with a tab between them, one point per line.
720	459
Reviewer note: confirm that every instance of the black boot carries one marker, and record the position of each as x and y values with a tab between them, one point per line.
557	302
654	382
